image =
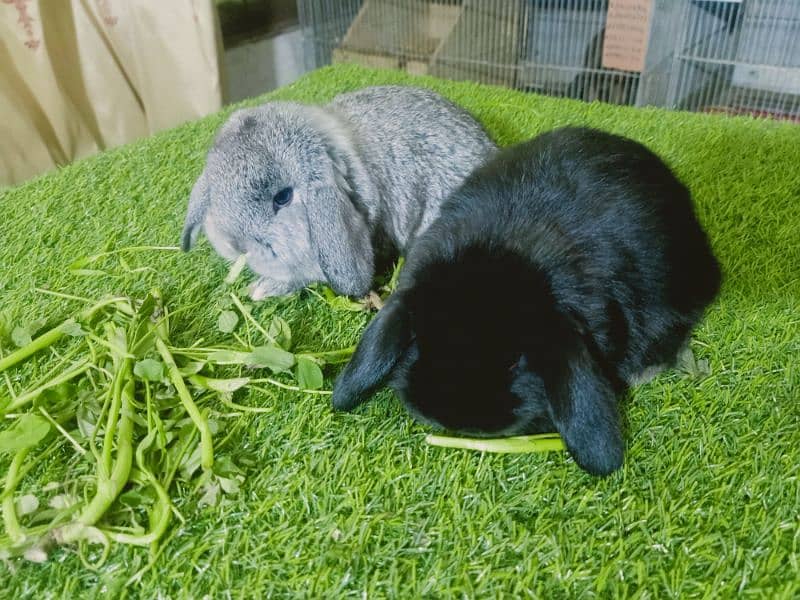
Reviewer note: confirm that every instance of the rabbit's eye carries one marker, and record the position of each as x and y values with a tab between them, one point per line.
282	198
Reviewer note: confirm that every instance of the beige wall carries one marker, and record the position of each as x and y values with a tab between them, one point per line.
77	77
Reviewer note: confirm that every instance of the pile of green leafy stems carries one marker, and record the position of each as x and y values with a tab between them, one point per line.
139	413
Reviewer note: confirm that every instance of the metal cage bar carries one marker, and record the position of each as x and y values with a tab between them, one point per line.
732	56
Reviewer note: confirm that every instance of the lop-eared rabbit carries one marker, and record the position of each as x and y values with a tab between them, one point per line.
563	271
323	193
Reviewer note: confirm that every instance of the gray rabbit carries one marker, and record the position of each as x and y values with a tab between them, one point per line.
323	193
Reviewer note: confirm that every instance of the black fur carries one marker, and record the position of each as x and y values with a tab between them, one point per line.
554	277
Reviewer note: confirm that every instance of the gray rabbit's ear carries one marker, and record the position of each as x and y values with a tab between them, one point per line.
583	408
196	213
382	345
341	239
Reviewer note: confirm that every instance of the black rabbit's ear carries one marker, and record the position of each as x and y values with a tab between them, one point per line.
196	213
383	343
583	408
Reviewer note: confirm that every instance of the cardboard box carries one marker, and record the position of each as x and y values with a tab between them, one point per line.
486	43
397	34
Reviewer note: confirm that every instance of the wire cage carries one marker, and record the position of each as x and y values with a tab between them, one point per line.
732	56
751	65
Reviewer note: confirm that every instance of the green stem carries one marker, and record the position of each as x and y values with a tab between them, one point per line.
544	442
22	471
173	467
10	522
392	285
107	397
111	422
246	314
286	386
114	349
22	400
83	299
250	409
109	486
331	357
40	343
47	377
94	258
159	516
62	431
162	324
206	442
50	337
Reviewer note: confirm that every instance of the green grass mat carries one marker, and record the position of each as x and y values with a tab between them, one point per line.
357	505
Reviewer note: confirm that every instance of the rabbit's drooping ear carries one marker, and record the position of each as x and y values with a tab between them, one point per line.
196	213
341	239
383	343
583	408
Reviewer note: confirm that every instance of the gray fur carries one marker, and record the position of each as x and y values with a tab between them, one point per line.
369	172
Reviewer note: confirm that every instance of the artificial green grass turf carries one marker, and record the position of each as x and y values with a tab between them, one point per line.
337	505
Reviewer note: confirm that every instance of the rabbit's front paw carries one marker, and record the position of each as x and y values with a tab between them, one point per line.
265	287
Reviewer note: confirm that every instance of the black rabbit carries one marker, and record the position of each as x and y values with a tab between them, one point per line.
562	271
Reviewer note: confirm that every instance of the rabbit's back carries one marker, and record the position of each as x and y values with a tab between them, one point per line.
610	225
417	146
